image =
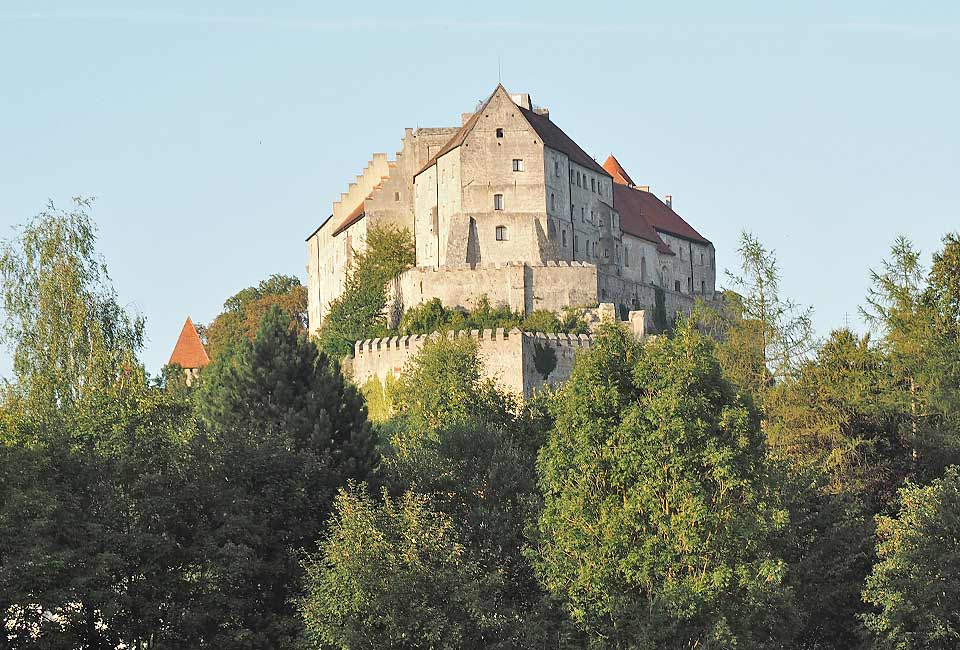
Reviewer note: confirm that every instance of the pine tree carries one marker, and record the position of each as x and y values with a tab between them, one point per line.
285	431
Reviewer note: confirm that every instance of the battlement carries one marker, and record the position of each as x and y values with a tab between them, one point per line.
521	362
417	341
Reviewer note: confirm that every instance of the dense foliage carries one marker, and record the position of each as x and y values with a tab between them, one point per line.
659	504
916	582
243	312
730	484
360	312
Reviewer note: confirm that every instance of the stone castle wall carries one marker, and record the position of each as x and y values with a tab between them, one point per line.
520	362
522	287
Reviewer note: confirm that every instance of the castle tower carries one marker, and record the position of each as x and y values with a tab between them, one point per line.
189	352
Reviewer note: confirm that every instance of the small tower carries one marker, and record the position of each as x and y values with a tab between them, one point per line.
189	352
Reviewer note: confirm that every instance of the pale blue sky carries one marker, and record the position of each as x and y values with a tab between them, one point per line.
215	136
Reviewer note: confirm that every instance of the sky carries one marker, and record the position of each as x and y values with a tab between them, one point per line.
215	136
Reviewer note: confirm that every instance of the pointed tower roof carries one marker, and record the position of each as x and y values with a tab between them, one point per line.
189	351
615	169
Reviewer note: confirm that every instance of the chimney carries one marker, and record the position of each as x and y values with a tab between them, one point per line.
644	188
522	100
668	199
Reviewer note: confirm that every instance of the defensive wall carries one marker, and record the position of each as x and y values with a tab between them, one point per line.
525	288
520	362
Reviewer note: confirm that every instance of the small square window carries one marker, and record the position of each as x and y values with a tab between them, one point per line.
517	164
501	233
498	201
499	133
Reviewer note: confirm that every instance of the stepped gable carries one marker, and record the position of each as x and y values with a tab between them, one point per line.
189	352
551	135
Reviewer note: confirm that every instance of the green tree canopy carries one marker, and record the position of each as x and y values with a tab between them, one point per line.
243	311
70	336
915	585
659	508
360	312
394	575
284	431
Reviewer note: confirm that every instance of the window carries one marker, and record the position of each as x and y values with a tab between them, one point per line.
676	285
498	201
563	236
396	196
690	285
571	175
582	212
517	164
571	212
576	242
701	259
626	256
578	179
606	252
553	201
703	286
499	133
556	168
593	185
591	216
501	233
594	249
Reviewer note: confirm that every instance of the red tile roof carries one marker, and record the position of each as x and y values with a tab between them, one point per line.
630	204
189	351
640	210
620	175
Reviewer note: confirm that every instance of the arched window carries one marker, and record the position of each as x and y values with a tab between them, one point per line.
501	233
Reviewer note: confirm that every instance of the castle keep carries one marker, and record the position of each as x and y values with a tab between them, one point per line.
510	206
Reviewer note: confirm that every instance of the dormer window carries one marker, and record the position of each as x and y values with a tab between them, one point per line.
499	133
498	201
501	233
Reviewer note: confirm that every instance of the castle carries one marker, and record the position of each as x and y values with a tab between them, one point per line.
508	205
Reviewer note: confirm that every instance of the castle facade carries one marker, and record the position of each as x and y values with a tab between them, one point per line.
508	205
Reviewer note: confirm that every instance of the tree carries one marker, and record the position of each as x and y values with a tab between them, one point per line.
658	503
360	311
243	311
285	431
443	385
783	329
393	575
70	336
915	584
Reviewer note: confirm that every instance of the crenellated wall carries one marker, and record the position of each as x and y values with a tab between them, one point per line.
520	362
